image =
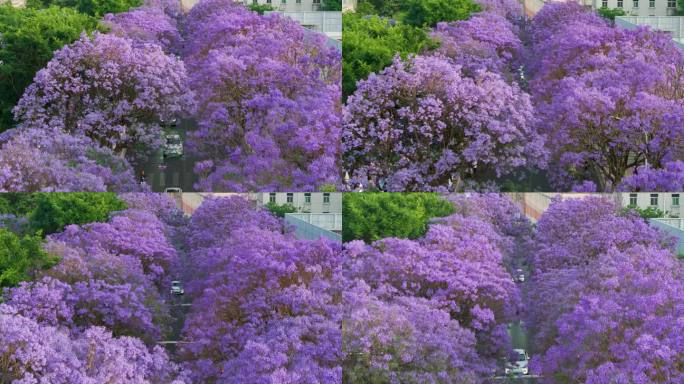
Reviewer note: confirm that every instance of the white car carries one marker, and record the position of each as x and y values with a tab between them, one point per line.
177	288
173	145
518	365
520	276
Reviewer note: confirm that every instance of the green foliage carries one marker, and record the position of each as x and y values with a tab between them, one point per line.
430	12
96	8
54	211
331	5
611	13
648	213
17	203
20	257
28	37
281	210
379	7
373	216
261	8
328	188
370	44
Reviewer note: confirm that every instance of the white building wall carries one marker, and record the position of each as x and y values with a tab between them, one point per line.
289	5
318	202
637	7
670	203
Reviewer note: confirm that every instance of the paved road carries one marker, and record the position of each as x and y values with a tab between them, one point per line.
173	172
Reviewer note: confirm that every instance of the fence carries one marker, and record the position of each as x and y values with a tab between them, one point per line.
672	227
309	231
674	25
326	22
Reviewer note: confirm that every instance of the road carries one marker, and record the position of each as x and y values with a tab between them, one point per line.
173	172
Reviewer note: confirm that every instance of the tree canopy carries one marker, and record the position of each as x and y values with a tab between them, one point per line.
370	44
373	216
28	39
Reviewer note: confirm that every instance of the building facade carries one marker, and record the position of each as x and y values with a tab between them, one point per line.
305	202
289	5
637	7
669	203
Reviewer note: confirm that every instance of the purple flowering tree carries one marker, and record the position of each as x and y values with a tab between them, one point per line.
416	133
405	339
32	160
668	178
609	99
108	89
146	25
268	94
605	295
263	299
485	41
35	352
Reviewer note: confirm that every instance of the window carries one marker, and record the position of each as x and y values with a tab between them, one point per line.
299	1
326	198
633	199
672	3
283	1
675	199
268	1
316	1
271	197
290	198
604	4
651	3
255	2
654	199
619	5
307	198
635	4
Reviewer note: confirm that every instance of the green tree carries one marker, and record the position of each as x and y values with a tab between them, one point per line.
430	12
281	210
611	13
331	5
370	44
20	257
28	38
379	7
646	213
261	8
54	211
96	8
373	216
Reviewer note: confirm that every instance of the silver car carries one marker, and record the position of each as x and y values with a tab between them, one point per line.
173	145
177	288
518	365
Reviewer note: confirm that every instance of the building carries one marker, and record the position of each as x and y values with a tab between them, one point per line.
673	25
348	5
669	203
636	7
305	202
289	5
328	23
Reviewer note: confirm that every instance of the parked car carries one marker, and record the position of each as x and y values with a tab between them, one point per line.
173	145
520	275
518	364
174	190
170	122
177	288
